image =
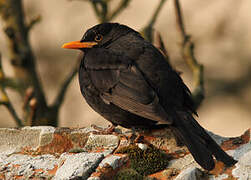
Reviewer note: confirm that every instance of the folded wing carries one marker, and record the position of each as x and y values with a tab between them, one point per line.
124	85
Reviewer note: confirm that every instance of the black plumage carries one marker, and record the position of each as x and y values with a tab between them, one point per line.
128	81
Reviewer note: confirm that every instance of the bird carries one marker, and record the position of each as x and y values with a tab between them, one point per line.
129	82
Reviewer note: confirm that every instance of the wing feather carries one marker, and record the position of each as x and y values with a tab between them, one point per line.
125	86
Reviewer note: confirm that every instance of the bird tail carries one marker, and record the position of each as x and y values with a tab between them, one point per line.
199	143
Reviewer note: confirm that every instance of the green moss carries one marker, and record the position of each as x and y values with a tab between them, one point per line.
126	174
146	161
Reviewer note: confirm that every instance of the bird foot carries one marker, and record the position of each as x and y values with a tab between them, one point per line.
109	130
139	138
135	137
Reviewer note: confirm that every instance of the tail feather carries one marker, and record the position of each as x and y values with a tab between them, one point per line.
199	143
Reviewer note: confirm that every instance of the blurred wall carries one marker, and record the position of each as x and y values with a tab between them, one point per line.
220	30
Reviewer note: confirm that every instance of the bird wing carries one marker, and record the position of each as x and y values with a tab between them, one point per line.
120	82
171	90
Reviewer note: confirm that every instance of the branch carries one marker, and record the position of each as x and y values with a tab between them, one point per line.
101	12
179	20
100	9
4	99
13	83
21	54
148	30
188	55
61	94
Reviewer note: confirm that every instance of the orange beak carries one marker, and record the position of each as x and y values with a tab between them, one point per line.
79	45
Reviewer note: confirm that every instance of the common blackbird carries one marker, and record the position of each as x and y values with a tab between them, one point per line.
128	81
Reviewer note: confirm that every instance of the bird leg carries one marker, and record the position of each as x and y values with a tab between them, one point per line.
136	136
109	130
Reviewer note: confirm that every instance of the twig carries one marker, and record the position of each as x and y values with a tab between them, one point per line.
61	94
13	83
4	99
60	97
179	20
101	12
148	30
156	13
188	55
33	22
123	4
160	45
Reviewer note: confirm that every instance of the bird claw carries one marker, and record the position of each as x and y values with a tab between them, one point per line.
109	130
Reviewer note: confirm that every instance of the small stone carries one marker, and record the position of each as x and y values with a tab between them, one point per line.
142	146
113	161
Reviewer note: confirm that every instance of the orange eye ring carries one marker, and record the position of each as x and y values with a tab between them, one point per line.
98	37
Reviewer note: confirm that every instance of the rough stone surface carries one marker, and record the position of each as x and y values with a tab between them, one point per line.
220	177
25	166
243	167
109	166
87	153
183	163
190	174
106	143
14	139
113	161
93	178
78	165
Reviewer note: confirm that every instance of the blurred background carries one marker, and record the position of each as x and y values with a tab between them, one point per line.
220	30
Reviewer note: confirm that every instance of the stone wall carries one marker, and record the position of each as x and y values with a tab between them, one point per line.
88	153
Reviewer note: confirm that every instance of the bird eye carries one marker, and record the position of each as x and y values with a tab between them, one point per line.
98	38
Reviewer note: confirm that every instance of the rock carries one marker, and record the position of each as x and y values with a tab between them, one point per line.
78	165
27	166
220	177
183	163
109	166
86	153
243	167
93	178
13	139
103	143
113	161
191	173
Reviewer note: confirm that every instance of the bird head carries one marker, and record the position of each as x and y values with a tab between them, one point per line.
100	35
